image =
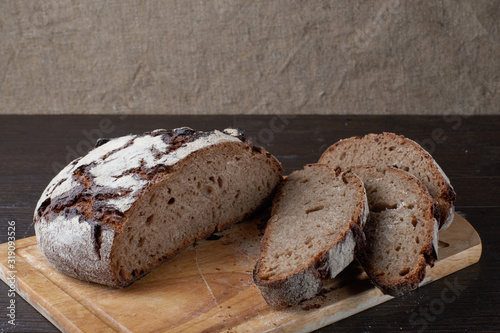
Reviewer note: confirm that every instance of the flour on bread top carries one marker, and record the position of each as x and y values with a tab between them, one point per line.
108	165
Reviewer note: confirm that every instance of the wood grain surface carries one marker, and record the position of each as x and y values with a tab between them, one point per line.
467	148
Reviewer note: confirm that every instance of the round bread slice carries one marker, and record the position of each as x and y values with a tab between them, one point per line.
135	201
401	231
391	150
316	221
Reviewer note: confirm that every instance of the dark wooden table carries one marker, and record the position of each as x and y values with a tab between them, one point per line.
33	148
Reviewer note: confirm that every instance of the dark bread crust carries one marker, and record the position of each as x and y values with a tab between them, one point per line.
446	196
306	281
90	200
91	227
427	256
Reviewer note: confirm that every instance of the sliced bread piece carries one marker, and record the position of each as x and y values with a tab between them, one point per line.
401	231
391	150
135	201
316	221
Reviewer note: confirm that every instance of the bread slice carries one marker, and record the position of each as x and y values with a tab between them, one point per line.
135	201
316	220
391	150
401	231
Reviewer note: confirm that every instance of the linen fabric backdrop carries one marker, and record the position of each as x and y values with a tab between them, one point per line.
249	57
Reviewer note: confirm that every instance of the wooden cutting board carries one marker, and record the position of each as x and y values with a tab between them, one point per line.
208	287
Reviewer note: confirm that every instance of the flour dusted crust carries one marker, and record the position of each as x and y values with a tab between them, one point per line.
114	167
87	205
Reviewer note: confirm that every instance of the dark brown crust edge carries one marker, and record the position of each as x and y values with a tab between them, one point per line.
292	289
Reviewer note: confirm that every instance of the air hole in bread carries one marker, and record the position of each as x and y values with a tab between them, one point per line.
417	240
315	209
212	179
219	182
171	200
381	206
141	242
414	221
150	219
305	180
398	247
308	241
405	271
208	190
122	273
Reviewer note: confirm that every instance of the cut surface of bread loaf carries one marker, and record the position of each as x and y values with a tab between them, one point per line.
401	231
316	220
391	150
132	202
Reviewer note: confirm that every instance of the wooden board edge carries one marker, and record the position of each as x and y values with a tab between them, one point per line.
63	314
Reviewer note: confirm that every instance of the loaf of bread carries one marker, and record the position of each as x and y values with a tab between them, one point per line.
401	231
132	202
391	150
316	222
